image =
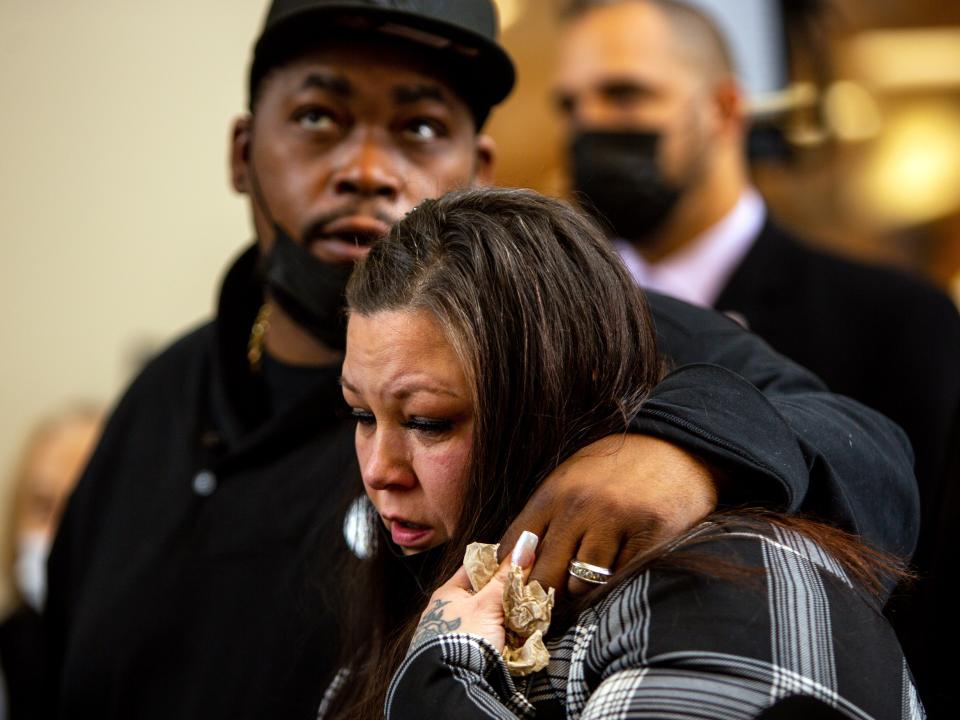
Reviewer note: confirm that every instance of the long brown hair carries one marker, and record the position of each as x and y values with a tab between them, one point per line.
557	345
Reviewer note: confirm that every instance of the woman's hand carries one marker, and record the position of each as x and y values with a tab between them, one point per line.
454	607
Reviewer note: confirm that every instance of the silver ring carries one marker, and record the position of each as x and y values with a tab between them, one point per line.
593	574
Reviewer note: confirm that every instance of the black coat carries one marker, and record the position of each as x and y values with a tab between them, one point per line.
891	342
21	663
178	596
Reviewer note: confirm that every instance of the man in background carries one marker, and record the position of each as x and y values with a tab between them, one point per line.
196	572
657	125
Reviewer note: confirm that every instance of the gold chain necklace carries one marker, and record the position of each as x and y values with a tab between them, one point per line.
258	334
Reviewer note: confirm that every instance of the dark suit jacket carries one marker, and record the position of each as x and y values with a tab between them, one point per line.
893	343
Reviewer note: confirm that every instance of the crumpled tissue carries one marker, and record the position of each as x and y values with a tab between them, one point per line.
526	607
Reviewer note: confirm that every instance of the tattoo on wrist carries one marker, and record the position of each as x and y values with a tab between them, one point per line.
433	624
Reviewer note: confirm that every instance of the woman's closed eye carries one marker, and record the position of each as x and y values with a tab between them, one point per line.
431	427
363	417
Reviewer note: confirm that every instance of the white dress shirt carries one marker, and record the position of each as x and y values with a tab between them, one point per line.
698	272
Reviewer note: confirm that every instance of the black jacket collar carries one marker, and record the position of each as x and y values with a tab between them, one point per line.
238	403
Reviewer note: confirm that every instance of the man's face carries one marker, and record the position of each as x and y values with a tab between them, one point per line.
346	140
621	68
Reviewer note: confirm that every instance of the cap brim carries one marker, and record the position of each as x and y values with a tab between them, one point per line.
490	73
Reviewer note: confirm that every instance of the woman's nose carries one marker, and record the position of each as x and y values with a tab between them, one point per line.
385	464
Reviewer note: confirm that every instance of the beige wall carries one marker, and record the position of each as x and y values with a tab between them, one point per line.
116	218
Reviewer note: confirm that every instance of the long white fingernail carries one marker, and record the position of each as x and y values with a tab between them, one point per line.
525	550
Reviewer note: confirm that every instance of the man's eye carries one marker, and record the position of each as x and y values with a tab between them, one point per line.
316	120
363	417
426	129
626	94
429	426
566	105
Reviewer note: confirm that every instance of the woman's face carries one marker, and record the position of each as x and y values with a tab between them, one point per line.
415	417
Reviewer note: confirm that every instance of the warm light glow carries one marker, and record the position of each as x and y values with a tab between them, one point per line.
509	11
907	59
914	174
851	112
794	96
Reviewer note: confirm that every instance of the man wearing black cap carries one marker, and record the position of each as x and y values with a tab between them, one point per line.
196	571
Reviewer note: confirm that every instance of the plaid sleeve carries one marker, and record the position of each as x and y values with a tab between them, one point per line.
462	675
683	644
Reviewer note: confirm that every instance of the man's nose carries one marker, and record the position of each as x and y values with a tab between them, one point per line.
386	466
593	112
370	169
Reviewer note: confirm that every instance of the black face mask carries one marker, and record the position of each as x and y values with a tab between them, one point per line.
617	180
309	291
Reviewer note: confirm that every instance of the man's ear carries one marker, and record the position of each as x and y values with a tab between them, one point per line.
240	154
486	155
730	106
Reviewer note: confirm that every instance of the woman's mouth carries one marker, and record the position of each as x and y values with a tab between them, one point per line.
410	535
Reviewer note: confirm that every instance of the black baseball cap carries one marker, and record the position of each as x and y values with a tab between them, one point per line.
462	32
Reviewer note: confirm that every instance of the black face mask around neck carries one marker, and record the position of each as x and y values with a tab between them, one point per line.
309	290
617	179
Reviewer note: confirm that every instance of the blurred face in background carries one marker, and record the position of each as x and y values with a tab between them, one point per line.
51	465
415	416
346	140
654	122
622	68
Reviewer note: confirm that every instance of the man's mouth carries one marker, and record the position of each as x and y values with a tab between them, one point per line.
347	239
360	229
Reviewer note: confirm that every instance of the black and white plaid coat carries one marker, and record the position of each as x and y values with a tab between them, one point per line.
675	643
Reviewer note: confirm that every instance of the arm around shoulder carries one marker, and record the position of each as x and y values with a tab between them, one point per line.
783	440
